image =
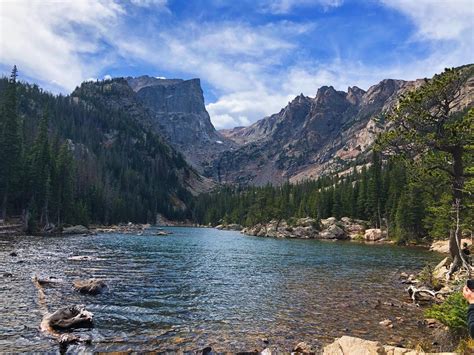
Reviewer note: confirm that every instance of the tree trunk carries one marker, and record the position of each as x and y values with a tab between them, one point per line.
457	193
4	204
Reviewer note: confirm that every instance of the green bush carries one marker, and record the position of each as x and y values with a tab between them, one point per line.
427	278
452	313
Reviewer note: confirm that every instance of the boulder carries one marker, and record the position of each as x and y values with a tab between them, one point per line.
353	228
90	286
69	318
333	232
306	222
234	227
328	221
441	269
76	230
442	246
373	234
353	346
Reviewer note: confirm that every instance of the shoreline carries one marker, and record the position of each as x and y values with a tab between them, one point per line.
364	341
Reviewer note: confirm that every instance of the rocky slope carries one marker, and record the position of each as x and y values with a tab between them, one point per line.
117	98
178	113
313	136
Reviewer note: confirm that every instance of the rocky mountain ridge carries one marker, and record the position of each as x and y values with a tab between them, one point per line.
309	137
314	136
178	113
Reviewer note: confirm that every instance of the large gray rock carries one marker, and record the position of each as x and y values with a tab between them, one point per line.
442	246
347	345
333	232
373	234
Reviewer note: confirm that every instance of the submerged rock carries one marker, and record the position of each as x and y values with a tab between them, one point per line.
69	318
90	286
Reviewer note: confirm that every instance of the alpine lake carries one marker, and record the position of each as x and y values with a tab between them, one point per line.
200	287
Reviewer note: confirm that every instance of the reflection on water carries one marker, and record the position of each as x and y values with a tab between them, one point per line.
201	287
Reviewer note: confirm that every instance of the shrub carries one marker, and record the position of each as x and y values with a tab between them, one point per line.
452	313
427	278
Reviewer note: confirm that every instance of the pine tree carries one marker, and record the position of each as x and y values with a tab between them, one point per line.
10	141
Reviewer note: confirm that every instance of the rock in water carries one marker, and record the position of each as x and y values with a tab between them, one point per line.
70	318
91	286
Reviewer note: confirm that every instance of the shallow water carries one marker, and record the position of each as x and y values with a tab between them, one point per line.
204	287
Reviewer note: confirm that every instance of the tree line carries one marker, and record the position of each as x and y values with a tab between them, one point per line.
76	160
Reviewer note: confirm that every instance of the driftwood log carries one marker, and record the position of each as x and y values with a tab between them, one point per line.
63	319
422	294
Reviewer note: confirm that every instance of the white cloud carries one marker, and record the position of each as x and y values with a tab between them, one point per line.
150	3
107	77
252	70
438	19
286	6
48	42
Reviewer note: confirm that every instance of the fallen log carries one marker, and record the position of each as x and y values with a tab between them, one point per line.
63	319
422	294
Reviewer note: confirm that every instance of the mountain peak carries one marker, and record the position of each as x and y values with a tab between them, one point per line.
354	95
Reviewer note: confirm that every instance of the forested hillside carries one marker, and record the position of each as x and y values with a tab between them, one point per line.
84	158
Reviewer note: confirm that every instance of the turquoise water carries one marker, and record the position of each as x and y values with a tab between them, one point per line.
204	287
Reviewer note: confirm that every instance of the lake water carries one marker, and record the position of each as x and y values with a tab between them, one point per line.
204	287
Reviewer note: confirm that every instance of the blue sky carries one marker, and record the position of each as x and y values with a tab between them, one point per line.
252	56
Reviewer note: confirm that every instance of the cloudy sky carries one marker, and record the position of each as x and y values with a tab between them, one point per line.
252	56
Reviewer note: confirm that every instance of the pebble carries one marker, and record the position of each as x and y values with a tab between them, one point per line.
13	254
386	323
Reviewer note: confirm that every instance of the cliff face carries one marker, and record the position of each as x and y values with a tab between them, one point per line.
135	121
178	113
313	136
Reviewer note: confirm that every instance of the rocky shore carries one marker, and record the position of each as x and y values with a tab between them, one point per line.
309	228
